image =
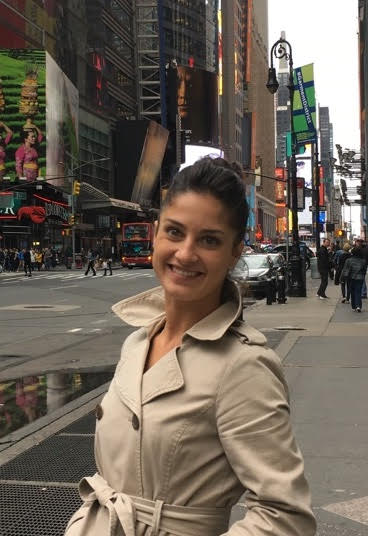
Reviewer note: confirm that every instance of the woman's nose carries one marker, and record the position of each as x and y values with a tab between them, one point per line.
186	252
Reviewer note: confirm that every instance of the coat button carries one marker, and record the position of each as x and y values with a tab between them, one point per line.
98	412
135	422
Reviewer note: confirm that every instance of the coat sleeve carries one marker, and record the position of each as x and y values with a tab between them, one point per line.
254	427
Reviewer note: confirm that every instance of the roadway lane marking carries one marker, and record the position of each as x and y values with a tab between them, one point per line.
62	288
356	509
74	330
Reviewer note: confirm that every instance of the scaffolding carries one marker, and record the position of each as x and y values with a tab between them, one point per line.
150	65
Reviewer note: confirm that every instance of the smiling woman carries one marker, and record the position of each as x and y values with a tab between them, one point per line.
197	411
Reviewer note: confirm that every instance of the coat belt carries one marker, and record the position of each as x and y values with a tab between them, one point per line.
126	509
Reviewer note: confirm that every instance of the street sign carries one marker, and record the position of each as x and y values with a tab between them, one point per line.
322	208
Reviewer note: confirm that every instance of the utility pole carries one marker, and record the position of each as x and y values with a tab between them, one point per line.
317	183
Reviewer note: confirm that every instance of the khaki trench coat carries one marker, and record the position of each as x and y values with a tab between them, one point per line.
178	445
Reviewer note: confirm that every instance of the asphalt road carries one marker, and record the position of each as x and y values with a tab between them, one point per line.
63	321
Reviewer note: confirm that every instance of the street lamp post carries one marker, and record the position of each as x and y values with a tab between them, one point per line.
72	201
282	49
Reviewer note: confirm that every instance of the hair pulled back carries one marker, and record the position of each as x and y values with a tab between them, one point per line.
218	178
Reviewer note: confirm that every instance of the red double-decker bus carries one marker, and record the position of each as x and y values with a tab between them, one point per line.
137	244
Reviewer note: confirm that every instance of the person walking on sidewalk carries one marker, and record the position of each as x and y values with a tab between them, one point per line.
197	411
355	269
364	248
91	257
323	263
344	283
27	262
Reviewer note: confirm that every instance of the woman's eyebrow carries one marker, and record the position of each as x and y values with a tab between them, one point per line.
212	231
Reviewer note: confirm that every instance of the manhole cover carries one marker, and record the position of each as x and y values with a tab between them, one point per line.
38	306
289	328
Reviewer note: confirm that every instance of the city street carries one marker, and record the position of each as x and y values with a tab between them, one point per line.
52	321
53	324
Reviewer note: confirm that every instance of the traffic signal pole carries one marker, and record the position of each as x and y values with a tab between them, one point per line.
317	183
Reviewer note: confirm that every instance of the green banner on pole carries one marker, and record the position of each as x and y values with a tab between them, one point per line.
304	105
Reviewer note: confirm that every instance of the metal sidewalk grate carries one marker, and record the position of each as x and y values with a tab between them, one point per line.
36	510
57	459
85	425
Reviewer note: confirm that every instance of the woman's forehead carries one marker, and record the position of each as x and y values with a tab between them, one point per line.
191	208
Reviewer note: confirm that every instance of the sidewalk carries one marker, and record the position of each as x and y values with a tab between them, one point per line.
323	346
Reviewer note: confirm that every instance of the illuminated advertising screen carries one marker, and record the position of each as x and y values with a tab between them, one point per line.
197	104
62	124
196	152
22	115
150	163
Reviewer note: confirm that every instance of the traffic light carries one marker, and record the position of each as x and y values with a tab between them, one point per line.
76	187
340	233
71	219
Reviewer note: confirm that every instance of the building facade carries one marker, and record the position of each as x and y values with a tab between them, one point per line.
260	105
363	84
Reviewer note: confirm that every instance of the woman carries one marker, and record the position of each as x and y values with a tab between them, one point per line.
344	283
26	156
354	270
197	411
3	143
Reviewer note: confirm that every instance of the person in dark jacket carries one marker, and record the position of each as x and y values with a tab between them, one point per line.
27	262
345	283
364	247
323	263
355	269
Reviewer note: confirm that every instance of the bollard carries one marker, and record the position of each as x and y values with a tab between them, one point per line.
314	268
269	296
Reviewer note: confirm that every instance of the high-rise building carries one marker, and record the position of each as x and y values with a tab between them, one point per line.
363	72
259	104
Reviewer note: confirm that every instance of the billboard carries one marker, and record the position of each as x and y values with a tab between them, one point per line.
22	114
62	124
304	105
197	95
196	152
150	164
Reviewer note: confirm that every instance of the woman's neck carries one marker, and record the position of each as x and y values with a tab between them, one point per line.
181	315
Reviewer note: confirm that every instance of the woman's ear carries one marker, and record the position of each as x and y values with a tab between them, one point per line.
237	251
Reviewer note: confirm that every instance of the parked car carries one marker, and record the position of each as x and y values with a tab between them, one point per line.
304	250
256	275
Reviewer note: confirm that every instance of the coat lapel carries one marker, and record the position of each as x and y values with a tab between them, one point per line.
164	377
128	376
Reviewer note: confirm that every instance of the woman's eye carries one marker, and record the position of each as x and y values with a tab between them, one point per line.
173	232
210	241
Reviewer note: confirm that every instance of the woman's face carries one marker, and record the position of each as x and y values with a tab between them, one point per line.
194	247
31	138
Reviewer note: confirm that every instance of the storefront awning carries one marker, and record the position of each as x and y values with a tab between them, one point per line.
92	198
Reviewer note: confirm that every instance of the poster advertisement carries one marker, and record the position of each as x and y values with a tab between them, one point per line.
197	95
22	115
150	163
62	125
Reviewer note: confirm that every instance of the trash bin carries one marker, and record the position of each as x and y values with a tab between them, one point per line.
68	263
314	268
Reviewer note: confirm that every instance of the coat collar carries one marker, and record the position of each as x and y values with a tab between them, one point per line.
148	310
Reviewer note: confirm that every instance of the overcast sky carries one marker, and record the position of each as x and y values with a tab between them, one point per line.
325	32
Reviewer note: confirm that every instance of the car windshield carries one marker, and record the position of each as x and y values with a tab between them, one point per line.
257	261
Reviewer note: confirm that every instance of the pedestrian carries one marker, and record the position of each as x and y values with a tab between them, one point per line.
198	409
2	260
344	282
21	260
355	269
91	262
364	249
38	259
109	264
27	262
104	266
323	263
